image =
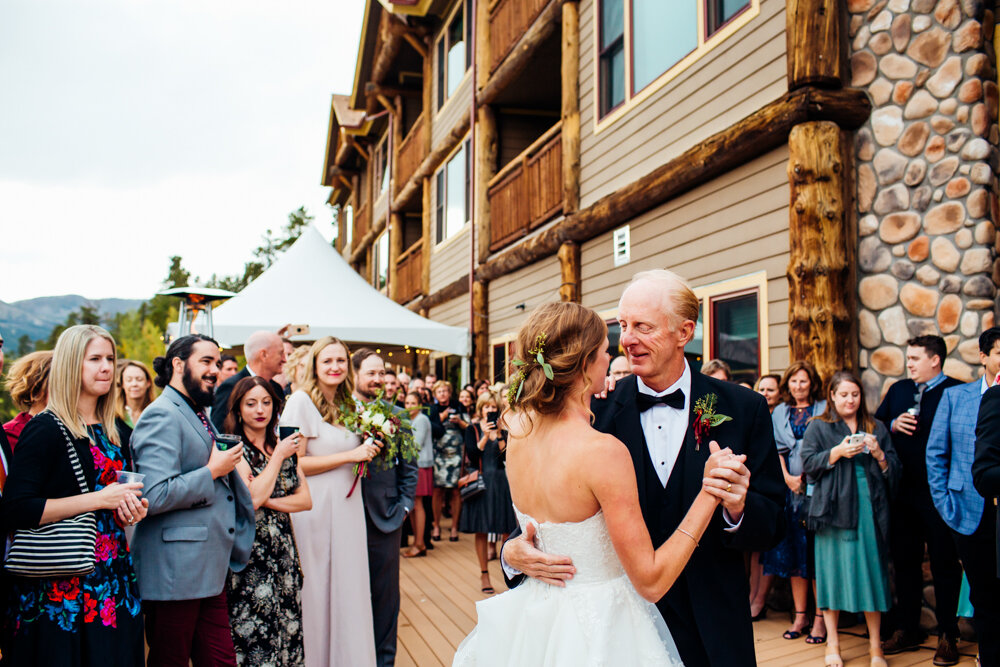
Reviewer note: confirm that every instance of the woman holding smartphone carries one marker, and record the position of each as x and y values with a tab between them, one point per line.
448	424
265	598
492	510
855	469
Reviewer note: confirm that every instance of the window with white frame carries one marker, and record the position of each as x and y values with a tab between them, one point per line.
348	225
380	164
380	261
453	54
452	193
641	40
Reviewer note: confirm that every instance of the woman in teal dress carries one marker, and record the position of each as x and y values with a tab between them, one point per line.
849	510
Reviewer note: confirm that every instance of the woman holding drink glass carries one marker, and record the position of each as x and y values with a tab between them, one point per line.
332	537
855	469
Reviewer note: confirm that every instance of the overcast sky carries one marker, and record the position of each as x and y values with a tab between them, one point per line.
133	130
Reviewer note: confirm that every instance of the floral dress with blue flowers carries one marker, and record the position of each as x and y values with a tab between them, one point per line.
90	620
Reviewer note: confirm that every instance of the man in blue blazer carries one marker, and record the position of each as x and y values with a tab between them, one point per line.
951	449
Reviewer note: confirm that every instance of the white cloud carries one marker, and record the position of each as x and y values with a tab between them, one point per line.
137	130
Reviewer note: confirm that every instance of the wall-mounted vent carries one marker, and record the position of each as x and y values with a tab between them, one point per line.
622	246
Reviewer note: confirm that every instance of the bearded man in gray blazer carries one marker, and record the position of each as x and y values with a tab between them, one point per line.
201	517
388	496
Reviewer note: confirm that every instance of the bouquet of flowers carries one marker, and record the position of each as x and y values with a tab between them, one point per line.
377	421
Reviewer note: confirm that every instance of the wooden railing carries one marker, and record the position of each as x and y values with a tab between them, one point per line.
362	223
509	20
411	153
410	272
527	191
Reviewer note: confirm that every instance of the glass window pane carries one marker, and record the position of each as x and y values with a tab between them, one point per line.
735	334
349	225
382	261
694	350
720	11
440	72
612	21
499	363
455	215
439	207
456	52
663	33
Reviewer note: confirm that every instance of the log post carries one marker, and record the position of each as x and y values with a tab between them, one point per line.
395	230
486	166
571	106
426	235
428	101
569	267
395	250
817	53
480	330
483	44
822	248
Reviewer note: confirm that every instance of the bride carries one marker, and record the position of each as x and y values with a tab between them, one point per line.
577	487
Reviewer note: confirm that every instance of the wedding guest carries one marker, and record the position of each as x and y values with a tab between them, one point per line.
28	385
201	522
448	424
265	598
283	377
228	368
491	511
404	381
94	619
619	368
265	353
389	495
135	390
467	400
425	473
480	388
849	508
393	392
6	456
908	410
295	367
986	478
718	369
951	451
801	401
331	537
416	383
430	380
769	386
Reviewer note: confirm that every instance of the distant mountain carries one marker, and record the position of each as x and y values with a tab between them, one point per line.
36	317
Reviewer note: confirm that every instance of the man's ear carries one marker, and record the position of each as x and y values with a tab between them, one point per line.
686	331
177	365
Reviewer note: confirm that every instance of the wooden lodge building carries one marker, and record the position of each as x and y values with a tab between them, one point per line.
822	172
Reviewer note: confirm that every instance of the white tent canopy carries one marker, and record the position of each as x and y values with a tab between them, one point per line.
312	284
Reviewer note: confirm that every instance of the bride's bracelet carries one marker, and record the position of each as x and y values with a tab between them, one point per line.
693	538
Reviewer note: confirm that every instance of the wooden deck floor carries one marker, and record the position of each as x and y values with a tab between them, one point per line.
439	593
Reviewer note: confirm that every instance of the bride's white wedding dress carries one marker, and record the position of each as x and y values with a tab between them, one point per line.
597	619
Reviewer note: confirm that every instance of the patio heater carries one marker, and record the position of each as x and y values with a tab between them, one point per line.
194	301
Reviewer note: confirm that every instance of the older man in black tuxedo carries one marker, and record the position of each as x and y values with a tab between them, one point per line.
654	412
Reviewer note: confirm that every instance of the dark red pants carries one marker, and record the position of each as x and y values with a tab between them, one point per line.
179	631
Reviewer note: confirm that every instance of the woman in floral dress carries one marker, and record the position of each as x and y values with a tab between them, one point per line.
265	598
93	619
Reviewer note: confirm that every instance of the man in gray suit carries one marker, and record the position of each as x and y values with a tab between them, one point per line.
201	516
388	497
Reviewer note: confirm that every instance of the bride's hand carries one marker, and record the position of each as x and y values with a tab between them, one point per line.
715	460
727	478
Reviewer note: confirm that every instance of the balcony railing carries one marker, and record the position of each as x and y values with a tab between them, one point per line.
528	191
410	272
411	152
362	223
509	20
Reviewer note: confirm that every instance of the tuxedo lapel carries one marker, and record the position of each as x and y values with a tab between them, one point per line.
628	429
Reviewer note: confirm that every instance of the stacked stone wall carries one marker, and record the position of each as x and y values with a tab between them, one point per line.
926	180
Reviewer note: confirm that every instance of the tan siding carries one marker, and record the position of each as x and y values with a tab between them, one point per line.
450	260
454	313
532	286
454	108
730	227
737	77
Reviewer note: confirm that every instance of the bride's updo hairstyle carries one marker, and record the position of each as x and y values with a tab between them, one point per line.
569	337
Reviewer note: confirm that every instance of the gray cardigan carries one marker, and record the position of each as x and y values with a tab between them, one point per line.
834	500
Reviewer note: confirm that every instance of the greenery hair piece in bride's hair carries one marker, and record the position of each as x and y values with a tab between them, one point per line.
535	355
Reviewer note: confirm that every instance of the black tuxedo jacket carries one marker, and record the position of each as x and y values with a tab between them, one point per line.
986	465
714	592
220	404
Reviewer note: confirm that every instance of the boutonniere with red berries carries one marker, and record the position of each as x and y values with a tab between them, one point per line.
705	417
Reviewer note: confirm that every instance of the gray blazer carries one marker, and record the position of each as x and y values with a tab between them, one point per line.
389	494
197	528
784	438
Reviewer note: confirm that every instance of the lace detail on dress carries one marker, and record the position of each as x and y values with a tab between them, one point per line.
587	542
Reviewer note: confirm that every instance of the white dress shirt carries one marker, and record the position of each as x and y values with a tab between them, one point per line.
664	427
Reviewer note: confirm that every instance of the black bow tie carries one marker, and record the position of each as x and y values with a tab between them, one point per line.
674	399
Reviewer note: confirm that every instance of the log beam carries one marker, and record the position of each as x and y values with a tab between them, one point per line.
569	268
391	30
430	163
571	106
362	151
822	242
762	131
486	166
395	250
816	51
452	290
523	52
425	220
416	43
480	329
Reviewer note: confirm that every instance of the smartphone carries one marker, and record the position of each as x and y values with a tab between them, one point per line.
225	441
285	431
298	330
492	417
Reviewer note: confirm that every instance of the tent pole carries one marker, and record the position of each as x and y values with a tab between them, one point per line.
471	20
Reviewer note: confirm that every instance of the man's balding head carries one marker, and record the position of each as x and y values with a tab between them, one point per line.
265	353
